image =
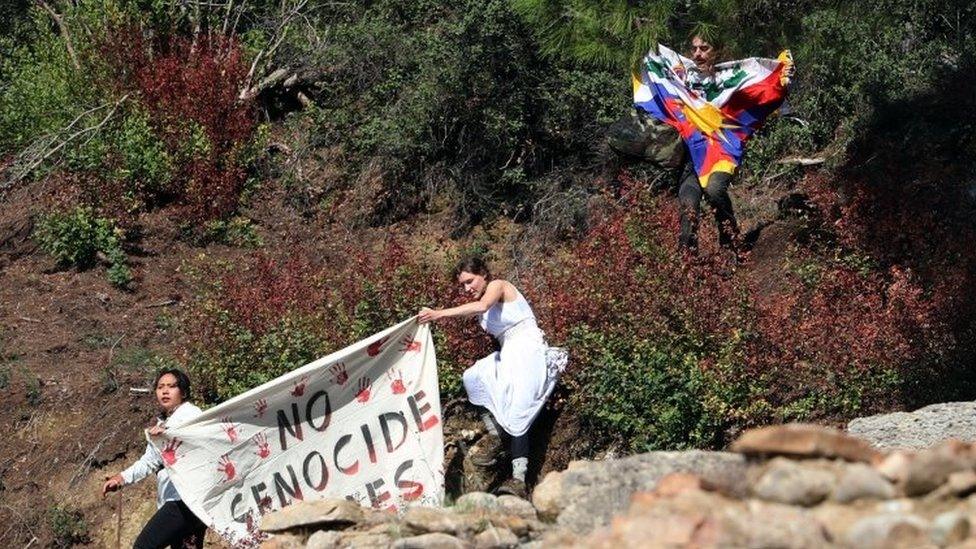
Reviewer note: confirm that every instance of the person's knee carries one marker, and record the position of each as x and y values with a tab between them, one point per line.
717	192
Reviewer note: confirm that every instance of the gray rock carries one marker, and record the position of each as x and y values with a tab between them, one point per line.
436	540
774	525
931	468
476	501
786	481
496	538
896	506
591	493
324	539
365	540
324	513
517	506
859	481
949	528
889	530
284	541
919	429
433	520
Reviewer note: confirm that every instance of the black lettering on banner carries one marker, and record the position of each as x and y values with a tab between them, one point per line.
419	411
282	487
376	498
284	424
340	444
368	437
409	489
385	426
326	415
306	473
260	498
238	499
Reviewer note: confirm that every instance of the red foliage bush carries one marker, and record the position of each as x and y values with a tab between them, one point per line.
841	343
344	294
190	90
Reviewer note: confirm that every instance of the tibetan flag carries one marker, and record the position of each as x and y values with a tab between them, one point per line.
715	114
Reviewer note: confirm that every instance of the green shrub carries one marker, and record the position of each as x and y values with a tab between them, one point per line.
76	237
32	389
42	90
241	360
237	231
68	526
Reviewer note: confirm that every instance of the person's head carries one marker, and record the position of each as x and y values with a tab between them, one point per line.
473	275
704	52
172	389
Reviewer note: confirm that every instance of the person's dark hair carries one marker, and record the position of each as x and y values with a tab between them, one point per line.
710	33
473	264
725	49
182	381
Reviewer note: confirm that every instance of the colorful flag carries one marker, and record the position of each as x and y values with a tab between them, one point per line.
362	423
716	114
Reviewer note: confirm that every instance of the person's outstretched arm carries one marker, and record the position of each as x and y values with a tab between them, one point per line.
493	293
150	462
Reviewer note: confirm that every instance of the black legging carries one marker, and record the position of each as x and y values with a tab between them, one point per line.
173	525
689	202
520	446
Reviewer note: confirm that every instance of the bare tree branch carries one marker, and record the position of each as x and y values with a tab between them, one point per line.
288	14
46	146
64	32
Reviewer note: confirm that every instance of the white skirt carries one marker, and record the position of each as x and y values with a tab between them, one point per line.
515	382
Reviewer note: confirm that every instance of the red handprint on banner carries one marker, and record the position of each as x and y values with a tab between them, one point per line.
365	384
226	466
230	428
260	406
169	451
410	345
375	347
261	441
299	389
397	386
339	374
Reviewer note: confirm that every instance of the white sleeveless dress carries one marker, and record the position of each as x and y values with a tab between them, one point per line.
514	382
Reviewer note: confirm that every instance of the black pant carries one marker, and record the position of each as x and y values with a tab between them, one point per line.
173	525
689	202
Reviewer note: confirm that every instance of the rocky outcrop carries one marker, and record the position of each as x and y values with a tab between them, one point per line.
799	486
588	494
919	429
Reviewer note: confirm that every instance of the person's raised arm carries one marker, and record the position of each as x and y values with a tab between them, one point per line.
493	293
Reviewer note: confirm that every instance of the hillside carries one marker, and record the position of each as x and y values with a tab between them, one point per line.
240	190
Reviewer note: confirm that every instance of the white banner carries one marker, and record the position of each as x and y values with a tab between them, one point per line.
361	423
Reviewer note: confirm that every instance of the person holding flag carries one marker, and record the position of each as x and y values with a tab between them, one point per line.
715	108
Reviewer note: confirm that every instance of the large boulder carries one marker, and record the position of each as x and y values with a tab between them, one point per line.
804	441
588	494
919	429
332	514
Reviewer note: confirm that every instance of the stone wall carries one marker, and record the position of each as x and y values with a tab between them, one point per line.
784	486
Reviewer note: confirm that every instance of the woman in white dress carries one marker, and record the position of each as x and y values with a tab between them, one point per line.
513	383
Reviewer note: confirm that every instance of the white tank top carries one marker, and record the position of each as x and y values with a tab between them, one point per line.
502	316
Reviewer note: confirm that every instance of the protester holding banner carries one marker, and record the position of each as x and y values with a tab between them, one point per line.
715	108
513	383
173	524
